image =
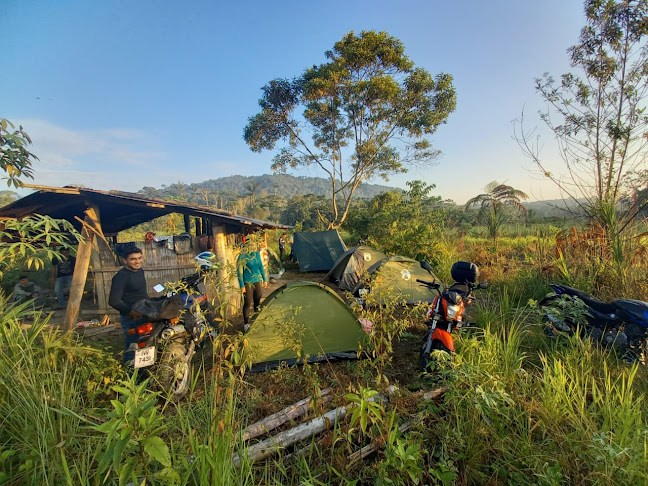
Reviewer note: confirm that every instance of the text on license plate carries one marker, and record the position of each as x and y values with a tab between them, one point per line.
145	357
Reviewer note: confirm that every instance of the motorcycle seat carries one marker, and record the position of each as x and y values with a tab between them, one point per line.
597	305
463	289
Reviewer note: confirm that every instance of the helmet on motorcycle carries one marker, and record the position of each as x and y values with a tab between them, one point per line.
206	260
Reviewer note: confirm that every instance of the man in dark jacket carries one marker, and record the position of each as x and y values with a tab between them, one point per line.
128	287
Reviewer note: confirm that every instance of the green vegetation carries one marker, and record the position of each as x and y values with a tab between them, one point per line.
513	405
519	407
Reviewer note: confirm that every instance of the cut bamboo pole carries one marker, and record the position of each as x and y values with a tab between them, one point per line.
289	413
266	448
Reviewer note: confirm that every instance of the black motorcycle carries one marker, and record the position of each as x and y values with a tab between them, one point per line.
621	324
176	324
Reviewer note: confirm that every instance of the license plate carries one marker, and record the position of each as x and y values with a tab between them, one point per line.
145	357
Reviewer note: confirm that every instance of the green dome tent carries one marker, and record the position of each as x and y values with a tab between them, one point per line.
394	279
352	265
299	320
318	250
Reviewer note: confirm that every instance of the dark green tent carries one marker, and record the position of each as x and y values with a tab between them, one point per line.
394	280
318	250
299	320
352	265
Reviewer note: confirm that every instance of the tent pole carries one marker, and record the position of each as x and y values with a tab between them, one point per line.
80	275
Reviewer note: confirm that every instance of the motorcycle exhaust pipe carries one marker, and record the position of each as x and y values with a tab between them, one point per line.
172	331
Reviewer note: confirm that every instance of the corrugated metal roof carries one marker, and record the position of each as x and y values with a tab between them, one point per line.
118	210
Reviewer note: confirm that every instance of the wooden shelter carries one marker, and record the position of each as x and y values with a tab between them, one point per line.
100	215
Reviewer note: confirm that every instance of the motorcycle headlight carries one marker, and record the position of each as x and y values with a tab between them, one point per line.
452	311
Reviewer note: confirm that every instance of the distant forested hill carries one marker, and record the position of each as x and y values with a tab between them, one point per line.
557	208
269	184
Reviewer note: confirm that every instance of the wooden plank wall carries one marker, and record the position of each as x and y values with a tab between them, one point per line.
162	265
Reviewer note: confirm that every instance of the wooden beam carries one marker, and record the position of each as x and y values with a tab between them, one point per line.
58	190
164	267
84	251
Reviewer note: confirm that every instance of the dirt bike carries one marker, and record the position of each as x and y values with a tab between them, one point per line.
446	313
176	324
621	324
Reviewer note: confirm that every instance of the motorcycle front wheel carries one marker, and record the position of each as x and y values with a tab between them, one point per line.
424	358
174	370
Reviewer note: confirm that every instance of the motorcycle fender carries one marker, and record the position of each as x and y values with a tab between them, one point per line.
445	337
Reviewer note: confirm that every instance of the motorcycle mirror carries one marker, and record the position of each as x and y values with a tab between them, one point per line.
426	266
158	288
483	285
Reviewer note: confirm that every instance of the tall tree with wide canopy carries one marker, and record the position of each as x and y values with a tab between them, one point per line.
597	116
494	205
366	112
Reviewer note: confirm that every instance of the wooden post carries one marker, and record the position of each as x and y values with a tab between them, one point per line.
80	275
187	223
100	286
225	256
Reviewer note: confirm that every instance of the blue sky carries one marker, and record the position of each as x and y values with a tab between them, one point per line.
123	94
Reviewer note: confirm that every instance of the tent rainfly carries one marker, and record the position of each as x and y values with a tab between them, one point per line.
394	280
352	265
303	320
317	251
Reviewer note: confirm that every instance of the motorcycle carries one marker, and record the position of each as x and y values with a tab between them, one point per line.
176	324
621	324
446	313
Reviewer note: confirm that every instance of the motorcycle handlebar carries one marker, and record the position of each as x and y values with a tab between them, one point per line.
433	285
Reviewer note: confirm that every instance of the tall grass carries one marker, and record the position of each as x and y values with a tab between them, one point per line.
576	415
44	379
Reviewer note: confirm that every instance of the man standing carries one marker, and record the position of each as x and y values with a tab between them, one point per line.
282	245
128	287
61	277
252	277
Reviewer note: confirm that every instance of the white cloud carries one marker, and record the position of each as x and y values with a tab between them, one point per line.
110	158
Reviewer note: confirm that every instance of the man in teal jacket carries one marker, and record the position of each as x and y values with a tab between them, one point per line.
252	278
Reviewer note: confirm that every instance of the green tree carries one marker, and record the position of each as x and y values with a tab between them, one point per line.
7	197
597	115
494	205
306	212
369	112
30	239
15	159
401	223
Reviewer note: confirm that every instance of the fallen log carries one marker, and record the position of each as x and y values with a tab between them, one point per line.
289	413
266	448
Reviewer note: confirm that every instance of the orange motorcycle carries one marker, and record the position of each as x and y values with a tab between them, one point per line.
447	310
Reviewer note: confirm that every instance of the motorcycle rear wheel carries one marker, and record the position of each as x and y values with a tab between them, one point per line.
174	370
425	358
